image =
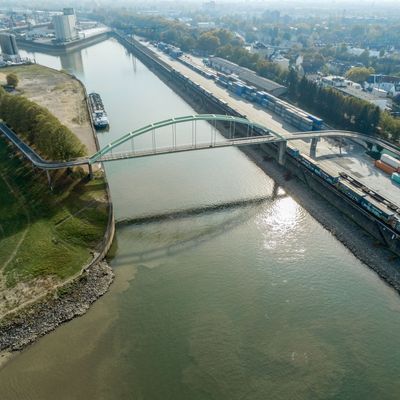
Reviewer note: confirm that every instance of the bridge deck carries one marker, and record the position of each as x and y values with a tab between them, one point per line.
107	152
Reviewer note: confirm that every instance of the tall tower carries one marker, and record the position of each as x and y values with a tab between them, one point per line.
65	26
9	47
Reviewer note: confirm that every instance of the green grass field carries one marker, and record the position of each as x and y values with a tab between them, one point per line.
44	232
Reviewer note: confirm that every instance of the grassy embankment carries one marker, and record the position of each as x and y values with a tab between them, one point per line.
45	236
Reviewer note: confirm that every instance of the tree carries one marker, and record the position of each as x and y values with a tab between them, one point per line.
38	126
208	42
364	57
359	74
225	37
292	82
12	80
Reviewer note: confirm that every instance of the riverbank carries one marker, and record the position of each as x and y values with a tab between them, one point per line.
65	303
52	242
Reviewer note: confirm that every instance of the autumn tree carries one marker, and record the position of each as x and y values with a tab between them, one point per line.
12	80
359	74
208	42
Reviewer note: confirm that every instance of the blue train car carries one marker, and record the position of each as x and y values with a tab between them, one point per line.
270	98
397	227
377	209
313	166
260	97
293	151
222	83
350	191
317	122
176	53
238	88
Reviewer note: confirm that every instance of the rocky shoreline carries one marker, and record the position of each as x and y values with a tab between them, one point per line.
376	256
67	302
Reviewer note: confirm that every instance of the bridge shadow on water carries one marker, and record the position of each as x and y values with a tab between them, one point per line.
221	219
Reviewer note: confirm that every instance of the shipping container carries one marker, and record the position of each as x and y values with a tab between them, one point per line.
238	88
385	167
389	160
395	177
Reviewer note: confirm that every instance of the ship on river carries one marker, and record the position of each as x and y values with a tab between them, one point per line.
99	115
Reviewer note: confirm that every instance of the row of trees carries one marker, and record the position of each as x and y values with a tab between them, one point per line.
40	128
345	112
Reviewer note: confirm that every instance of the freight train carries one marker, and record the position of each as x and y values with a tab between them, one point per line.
356	191
293	115
207	73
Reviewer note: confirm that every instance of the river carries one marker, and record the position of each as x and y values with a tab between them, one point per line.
249	302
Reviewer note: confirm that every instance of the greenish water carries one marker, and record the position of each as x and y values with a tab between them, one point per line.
252	302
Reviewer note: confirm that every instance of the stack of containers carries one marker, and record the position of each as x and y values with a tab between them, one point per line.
396	177
388	164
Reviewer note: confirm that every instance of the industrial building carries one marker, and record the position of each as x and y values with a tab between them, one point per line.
65	26
9	47
247	75
375	95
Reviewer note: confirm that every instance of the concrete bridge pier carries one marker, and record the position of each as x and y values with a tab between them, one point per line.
49	179
282	152
275	190
90	171
313	147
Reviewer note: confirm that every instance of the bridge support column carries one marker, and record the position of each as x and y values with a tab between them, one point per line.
49	179
90	171
313	147
281	153
275	190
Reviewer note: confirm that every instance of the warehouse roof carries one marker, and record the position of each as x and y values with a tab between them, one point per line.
247	75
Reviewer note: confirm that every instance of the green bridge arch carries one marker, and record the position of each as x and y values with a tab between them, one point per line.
172	121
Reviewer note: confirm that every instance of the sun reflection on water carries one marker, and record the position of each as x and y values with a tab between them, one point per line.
280	222
284	215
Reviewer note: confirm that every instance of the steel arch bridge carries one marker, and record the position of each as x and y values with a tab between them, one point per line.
255	134
105	154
